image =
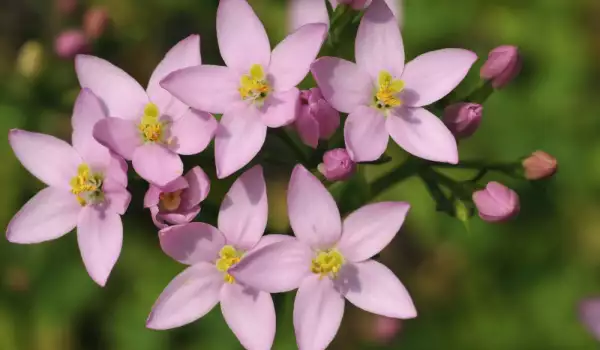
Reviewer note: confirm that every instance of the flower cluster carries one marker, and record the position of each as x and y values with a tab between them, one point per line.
331	256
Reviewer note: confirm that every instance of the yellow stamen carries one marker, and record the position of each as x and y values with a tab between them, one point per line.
87	186
387	92
254	86
170	201
327	263
228	256
151	128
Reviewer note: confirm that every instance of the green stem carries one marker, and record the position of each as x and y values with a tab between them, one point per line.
409	168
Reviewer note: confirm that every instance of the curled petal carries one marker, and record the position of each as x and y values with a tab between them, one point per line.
175	218
192	243
198	186
157	164
365	134
193	132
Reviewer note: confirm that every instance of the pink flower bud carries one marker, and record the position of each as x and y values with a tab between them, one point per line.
70	43
463	118
337	165
386	329
496	202
316	119
94	22
539	165
502	66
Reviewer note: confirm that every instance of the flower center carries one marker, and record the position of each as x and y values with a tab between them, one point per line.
327	263
228	256
254	86
151	129
87	186
387	92
170	201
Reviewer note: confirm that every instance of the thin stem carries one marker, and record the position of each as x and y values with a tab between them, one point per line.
409	168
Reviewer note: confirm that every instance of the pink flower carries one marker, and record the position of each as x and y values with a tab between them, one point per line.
496	202
329	261
257	88
316	119
178	201
211	252
589	314
70	43
337	165
302	12
384	98
86	189
463	118
148	127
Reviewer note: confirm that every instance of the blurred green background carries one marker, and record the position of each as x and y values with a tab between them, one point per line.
497	287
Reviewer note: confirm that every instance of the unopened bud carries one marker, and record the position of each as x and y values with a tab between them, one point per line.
94	22
496	202
337	165
316	119
502	66
70	43
539	165
463	118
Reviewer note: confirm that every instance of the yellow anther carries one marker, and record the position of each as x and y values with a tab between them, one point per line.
388	90
254	86
86	185
228	256
170	201
327	263
151	128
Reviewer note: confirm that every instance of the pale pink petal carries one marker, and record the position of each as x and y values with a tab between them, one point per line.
271	239
313	213
366	231
239	138
192	243
119	135
121	94
179	183
343	84
276	268
198	186
373	287
87	112
280	108
100	237
189	296
185	53
291	58
379	45
329	119
48	215
51	160
206	88
365	134
242	38
307	127
192	132
250	314
301	12
177	218
318	312
152	196
157	164
433	75
117	170
243	212
422	134
117	196
157	218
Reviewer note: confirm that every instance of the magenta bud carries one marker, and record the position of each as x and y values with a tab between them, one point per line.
463	118
316	119
589	314
539	165
94	22
70	43
337	165
502	66
496	202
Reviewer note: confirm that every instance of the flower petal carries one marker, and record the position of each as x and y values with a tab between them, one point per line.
51	160
307	127
291	58
189	296
122	95
206	88
280	108
192	243
314	216
371	228
329	119
192	132
117	196
276	268
157	164
343	84
373	287
250	314
198	187
175	218
50	214
117	170
422	134
87	112
433	75
301	12
239	138
185	53
244	210
589	314
379	46
242	38
365	134
100	237
272	238
318	312
119	135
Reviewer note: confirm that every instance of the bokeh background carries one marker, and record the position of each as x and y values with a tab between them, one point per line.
492	287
